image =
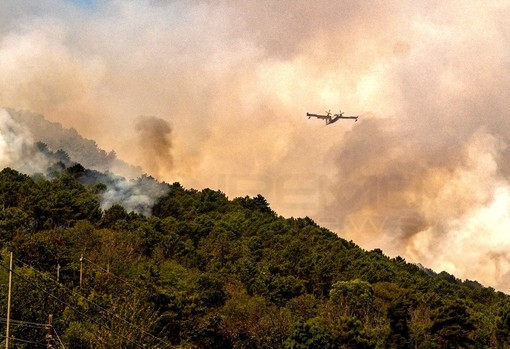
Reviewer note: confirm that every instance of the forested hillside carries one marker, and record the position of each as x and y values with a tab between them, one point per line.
206	271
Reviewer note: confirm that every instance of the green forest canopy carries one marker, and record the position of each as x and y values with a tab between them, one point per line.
204	271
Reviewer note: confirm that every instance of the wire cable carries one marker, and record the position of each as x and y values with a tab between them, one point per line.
110	273
23	341
73	308
25	323
74	293
58	337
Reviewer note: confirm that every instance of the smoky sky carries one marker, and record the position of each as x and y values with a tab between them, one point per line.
424	172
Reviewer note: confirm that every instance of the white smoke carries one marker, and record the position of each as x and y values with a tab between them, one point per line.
17	147
469	217
18	151
134	195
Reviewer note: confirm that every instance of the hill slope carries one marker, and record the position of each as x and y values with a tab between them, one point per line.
207	272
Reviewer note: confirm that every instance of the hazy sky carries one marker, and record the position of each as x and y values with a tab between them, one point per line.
215	94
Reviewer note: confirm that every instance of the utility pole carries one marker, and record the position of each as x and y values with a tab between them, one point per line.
81	270
7	334
58	272
49	335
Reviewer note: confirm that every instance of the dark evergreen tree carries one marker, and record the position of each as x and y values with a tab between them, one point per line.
399	317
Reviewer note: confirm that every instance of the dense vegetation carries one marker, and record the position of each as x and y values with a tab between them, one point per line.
204	271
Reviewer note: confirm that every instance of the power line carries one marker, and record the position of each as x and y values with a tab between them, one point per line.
28	324
58	337
24	341
73	308
74	293
25	323
110	273
36	325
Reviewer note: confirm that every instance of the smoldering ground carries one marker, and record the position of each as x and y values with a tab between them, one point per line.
423	174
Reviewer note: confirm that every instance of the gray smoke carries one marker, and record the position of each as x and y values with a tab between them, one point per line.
19	151
17	147
134	195
154	140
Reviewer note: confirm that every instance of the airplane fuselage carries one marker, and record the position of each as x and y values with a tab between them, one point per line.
329	119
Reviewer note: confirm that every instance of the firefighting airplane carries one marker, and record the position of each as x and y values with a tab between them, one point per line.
331	119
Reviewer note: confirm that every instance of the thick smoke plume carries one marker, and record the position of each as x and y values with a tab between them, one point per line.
17	147
138	195
424	174
155	144
22	150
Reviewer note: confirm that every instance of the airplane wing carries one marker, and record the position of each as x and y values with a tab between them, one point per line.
316	116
